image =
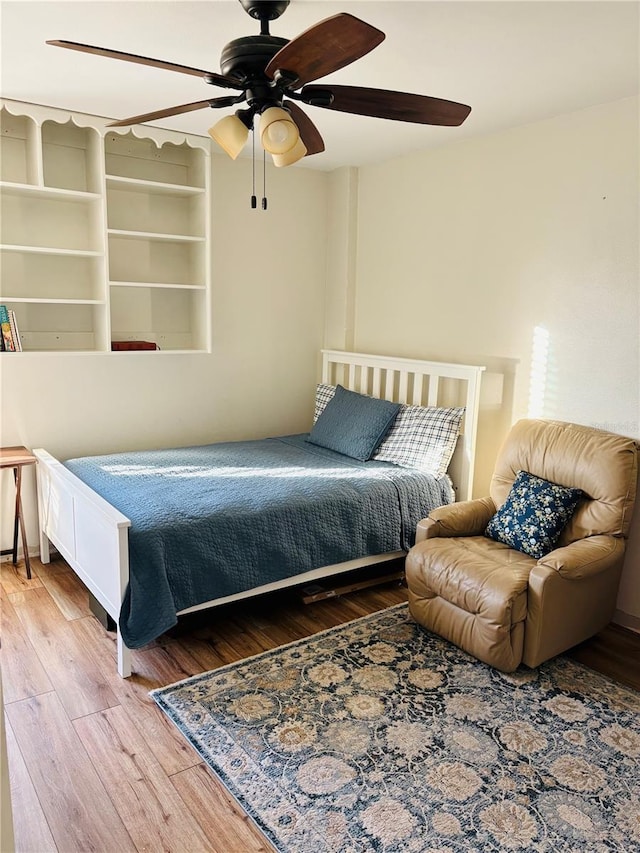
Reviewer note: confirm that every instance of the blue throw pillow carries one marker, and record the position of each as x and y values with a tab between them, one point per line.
353	424
533	515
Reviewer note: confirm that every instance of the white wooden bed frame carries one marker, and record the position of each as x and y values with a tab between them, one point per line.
92	535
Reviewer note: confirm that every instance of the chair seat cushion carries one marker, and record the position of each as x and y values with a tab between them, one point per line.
470	573
472	591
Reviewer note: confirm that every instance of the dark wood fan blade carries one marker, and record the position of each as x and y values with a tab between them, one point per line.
214	79
382	103
170	111
309	133
327	46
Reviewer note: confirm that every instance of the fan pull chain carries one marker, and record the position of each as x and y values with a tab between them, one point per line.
254	199
264	179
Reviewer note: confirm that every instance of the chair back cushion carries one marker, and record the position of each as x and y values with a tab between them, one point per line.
602	464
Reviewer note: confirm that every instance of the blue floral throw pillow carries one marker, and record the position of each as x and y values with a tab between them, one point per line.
533	515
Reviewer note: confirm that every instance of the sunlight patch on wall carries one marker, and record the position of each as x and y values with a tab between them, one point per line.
539	372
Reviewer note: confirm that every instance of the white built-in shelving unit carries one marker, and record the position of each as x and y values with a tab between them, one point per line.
104	236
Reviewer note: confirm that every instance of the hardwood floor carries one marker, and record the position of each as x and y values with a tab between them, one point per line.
614	652
94	765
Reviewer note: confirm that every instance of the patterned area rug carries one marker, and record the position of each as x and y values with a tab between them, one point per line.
378	736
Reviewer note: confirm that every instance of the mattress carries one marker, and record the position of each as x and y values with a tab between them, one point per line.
219	519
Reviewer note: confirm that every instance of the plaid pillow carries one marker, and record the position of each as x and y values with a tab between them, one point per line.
324	393
422	437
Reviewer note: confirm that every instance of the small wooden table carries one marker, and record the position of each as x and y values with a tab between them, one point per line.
17	458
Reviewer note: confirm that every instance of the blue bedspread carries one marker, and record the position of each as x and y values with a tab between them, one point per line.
211	521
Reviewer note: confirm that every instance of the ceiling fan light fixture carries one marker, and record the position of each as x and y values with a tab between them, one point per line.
231	134
298	151
279	133
271	74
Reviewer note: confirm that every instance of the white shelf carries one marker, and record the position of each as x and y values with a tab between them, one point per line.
153	235
25	300
50	250
105	235
152	187
158	284
8	187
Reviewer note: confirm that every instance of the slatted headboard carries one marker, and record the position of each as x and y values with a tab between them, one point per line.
419	383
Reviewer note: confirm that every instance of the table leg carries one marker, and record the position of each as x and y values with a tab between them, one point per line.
19	522
17	479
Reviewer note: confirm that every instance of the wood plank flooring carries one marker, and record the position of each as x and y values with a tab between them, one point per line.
95	766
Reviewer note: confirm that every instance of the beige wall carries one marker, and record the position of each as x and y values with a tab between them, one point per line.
341	259
268	315
463	251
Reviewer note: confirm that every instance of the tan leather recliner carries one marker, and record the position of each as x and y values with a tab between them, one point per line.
503	606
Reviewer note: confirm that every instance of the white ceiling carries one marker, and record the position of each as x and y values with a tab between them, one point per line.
513	61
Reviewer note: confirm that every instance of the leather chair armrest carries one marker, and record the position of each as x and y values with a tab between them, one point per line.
467	518
585	557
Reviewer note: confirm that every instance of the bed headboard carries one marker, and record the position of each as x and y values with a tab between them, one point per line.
419	383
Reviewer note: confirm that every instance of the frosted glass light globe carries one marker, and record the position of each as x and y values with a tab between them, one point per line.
278	131
298	151
231	134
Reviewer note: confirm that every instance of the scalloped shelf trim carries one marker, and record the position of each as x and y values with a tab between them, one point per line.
39	113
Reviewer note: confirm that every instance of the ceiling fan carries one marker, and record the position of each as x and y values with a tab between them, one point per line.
271	75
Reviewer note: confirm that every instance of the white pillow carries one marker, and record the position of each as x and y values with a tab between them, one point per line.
422	437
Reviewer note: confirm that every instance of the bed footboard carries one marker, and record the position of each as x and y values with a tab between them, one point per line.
89	533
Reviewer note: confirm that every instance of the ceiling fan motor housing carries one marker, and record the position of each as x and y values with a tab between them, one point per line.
244	59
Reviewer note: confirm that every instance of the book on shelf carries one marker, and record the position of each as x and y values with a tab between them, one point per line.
15	332
123	346
8	341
